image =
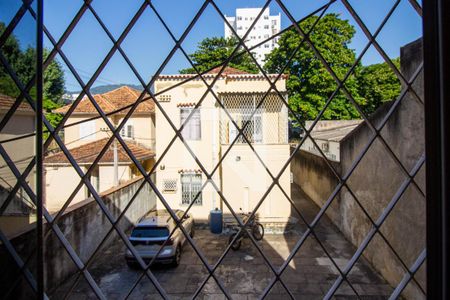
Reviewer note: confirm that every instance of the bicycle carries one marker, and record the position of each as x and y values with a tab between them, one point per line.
257	230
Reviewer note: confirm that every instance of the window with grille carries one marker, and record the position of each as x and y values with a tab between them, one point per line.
191	184
170	185
192	129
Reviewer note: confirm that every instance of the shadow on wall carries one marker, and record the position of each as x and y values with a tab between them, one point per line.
376	180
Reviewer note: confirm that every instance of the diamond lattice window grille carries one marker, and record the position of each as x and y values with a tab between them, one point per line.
267	125
244	117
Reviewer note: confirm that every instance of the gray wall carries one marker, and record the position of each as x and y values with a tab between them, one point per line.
378	177
84	226
376	180
316	179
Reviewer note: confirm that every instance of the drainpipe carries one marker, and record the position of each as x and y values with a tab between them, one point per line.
214	150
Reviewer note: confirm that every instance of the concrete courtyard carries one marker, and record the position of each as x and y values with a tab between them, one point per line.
244	273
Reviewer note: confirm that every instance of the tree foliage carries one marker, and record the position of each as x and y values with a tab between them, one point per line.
310	84
378	84
215	51
23	62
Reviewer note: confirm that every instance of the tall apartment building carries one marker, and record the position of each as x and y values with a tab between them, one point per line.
265	27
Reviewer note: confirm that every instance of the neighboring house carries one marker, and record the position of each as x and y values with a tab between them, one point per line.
266	27
20	211
140	127
242	178
328	136
86	139
61	178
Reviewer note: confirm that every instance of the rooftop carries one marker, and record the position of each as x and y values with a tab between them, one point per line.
6	102
87	153
333	130
112	101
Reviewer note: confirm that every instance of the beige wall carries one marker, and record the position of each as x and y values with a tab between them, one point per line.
72	136
107	176
20	151
19	213
61	181
13	225
245	180
238	177
144	130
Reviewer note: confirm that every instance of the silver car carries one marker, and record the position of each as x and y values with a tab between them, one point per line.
152	231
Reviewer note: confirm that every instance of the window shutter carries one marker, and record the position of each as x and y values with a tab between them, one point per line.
87	130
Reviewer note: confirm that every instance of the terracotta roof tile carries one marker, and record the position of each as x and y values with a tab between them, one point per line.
227	71
86	154
112	101
6	102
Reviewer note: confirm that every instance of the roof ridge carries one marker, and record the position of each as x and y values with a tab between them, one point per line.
106	101
77	147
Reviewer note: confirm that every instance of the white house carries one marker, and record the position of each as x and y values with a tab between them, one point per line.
266	26
87	138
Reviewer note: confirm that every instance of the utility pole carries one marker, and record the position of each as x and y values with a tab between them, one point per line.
116	164
115	157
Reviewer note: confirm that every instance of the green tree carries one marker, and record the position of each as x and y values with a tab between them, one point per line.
378	84
12	53
310	84
215	51
23	62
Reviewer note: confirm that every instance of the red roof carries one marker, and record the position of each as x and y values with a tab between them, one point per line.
87	153
112	101
227	71
6	102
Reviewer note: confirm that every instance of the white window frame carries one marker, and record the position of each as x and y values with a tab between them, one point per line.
192	131
191	184
127	130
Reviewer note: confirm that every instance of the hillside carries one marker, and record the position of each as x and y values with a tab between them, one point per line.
101	89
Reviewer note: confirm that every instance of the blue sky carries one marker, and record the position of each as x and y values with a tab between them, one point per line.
148	43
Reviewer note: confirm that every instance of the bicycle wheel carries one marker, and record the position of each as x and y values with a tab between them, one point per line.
237	243
258	231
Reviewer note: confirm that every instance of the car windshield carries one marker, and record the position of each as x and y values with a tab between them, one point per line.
150	232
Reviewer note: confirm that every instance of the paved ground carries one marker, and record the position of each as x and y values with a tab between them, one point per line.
244	273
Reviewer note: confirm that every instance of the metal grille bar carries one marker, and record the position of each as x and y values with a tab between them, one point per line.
245	125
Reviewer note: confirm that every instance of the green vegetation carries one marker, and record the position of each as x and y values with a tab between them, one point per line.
310	85
23	62
214	51
378	84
